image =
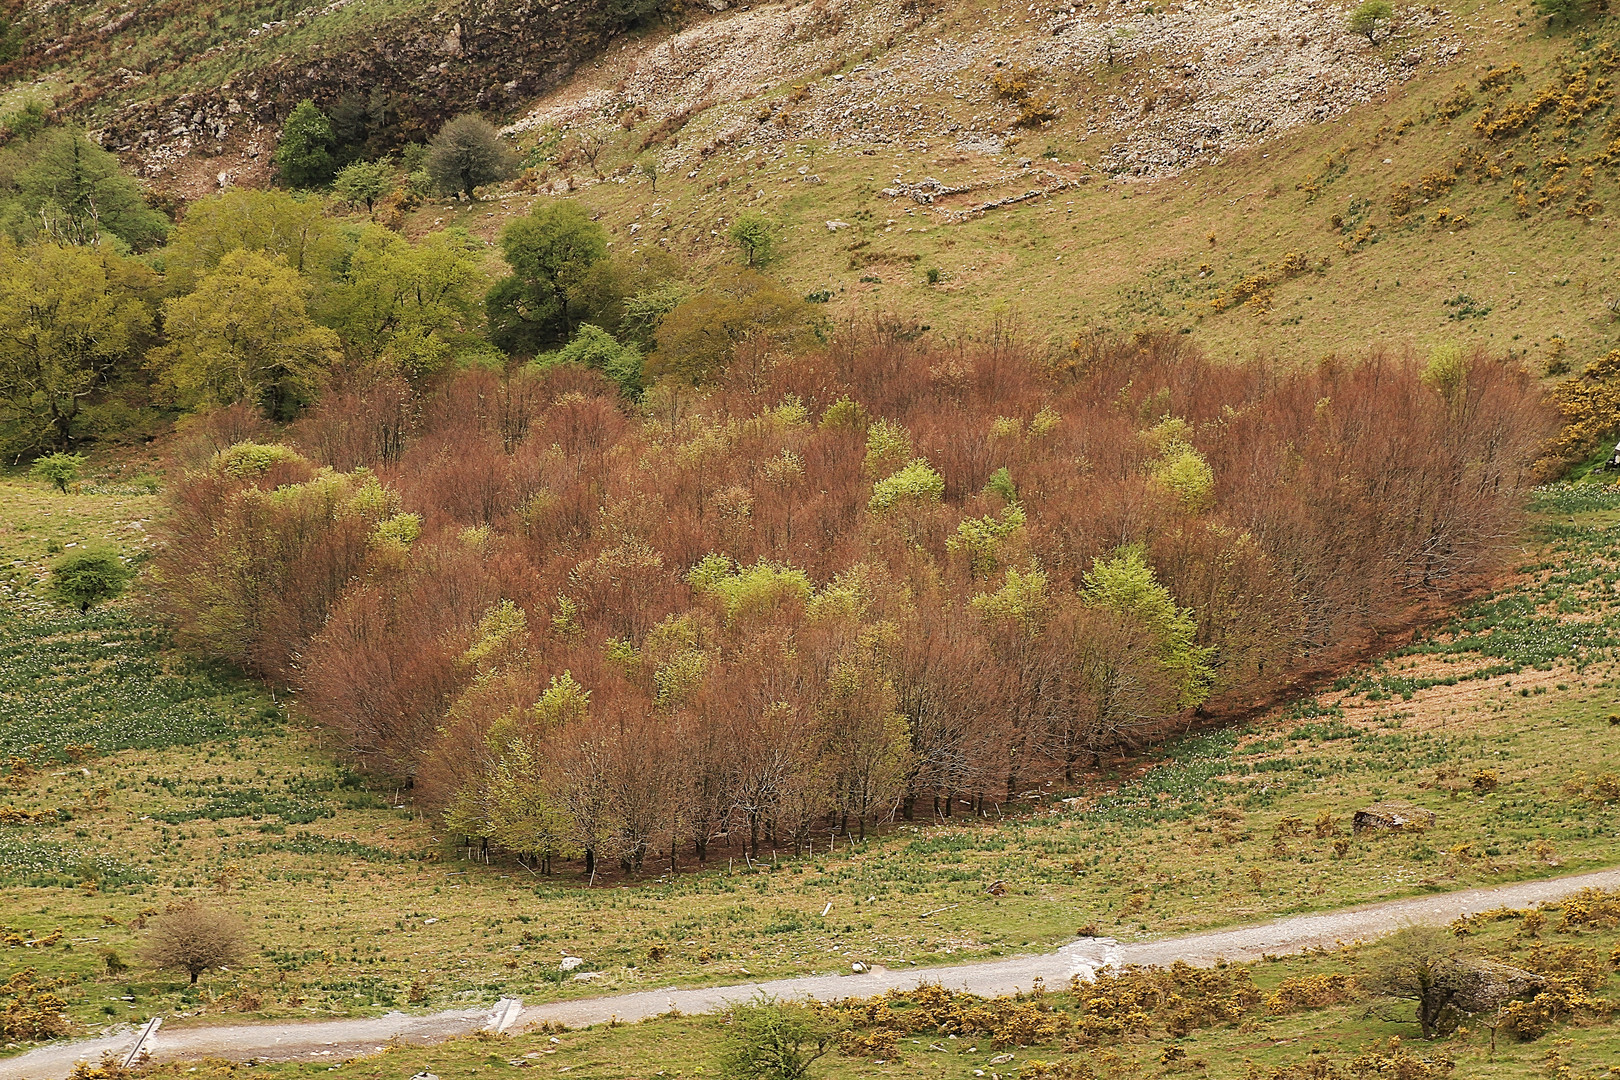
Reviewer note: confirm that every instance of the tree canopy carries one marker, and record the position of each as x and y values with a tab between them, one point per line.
304	155
467	153
245	334
551	253
72	319
75	191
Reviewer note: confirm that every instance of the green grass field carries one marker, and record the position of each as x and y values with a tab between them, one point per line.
137	777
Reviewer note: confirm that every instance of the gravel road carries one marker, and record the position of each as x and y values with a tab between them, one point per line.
340	1039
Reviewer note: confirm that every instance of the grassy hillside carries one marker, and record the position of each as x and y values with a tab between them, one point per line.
1398	223
196	784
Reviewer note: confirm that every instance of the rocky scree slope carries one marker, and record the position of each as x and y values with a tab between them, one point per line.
1148	90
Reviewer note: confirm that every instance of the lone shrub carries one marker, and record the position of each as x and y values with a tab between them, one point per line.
1425	964
194	939
768	1039
58	469
87	577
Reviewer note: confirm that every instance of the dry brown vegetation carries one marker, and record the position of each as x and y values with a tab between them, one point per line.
843	584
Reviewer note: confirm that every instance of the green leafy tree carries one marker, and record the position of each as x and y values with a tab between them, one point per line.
768	1039
698	339
595	348
28	121
551	253
88	576
1371	18
755	234
364	182
1428	965
72	320
1125	585
411	308
304	152
58	469
77	192
466	153
278	223
245	335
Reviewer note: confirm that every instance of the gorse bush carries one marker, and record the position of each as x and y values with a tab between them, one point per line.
808	599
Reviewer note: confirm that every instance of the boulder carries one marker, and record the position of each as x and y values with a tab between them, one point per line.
1392	816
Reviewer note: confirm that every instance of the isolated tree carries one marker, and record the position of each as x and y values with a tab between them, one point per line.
364	182
1371	18
304	152
88	576
467	152
245	334
71	321
194	939
768	1039
755	234
78	190
648	165
551	252
1426	964
59	469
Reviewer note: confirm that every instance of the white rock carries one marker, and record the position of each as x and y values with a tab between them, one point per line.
570	963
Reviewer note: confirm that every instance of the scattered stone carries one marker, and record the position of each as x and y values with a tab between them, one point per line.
1000	1059
570	963
858	968
998	888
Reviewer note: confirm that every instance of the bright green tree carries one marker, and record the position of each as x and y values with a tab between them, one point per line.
595	348
467	153
411	307
755	234
1371	18
245	335
58	469
364	182
80	195
88	576
304	152
1125	585
278	223
551	253
72	320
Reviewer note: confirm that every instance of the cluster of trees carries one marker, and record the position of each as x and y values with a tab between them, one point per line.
112	321
265	298
316	151
847	581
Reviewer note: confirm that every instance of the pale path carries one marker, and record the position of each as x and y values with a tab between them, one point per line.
339	1039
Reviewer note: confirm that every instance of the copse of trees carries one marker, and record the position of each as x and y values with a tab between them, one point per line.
840	583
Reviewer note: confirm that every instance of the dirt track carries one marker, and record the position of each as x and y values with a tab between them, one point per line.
339	1039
